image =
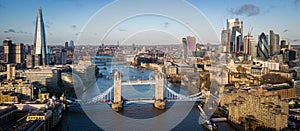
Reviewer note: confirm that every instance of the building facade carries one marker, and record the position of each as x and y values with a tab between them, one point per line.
263	46
185	48
236	28
262	107
191	43
13	53
225	40
40	48
274	43
46	76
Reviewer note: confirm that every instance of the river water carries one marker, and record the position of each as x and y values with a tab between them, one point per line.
134	116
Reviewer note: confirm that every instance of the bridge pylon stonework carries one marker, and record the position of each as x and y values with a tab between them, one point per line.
117	103
159	102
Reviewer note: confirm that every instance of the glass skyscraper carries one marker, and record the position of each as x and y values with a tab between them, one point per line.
274	43
236	40
263	46
40	48
185	50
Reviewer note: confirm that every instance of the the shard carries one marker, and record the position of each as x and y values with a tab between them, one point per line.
40	48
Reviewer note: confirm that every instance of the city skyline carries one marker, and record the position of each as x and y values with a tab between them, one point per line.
63	24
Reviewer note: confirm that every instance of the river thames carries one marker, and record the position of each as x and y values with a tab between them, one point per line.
101	117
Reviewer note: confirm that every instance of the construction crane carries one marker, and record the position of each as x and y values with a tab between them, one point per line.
250	31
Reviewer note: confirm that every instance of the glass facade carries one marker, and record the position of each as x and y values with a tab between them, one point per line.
40	47
263	47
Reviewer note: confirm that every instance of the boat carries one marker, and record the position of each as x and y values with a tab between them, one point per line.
210	125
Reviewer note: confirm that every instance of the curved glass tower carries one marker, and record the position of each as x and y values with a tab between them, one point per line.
263	46
40	49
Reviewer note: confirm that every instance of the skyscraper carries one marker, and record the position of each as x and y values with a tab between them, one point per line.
253	49
72	43
274	43
283	44
40	48
232	22
225	40
185	50
191	44
263	46
236	27
13	53
248	41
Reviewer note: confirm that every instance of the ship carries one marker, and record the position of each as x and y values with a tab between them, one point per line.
210	125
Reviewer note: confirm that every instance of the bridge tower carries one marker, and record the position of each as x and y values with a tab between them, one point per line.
159	103
117	103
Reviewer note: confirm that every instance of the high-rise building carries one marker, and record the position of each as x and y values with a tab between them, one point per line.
72	44
191	44
288	55
11	72
40	48
236	40
283	44
185	50
277	43
29	61
248	44
28	49
63	56
263	46
232	22
225	40
7	44
274	43
13	53
253	47
66	44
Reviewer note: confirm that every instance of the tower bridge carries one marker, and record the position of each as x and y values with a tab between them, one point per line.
163	93
138	82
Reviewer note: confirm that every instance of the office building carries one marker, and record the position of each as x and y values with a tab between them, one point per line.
13	53
288	55
274	43
283	44
11	72
66	44
185	49
248	44
236	40
45	76
253	47
40	48
232	22
263	46
71	43
191	44
263	107
30	61
225	40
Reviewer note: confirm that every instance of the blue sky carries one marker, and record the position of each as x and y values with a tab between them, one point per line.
67	19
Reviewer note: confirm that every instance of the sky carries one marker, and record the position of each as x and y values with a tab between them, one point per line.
144	21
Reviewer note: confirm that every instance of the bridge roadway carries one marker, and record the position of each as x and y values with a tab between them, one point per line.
138	82
138	100
149	100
